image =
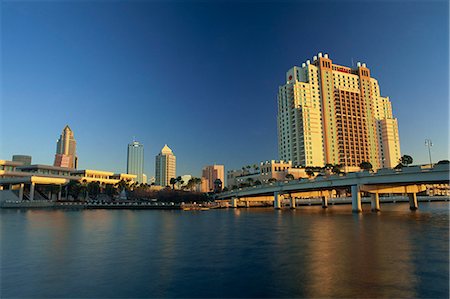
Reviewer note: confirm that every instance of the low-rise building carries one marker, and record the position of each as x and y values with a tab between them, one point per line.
30	178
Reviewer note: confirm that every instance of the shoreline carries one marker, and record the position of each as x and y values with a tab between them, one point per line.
134	205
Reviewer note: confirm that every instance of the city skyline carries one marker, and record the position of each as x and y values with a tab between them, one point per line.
244	130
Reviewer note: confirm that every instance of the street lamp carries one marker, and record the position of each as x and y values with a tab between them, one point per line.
429	144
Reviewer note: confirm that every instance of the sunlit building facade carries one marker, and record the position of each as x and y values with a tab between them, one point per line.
328	113
165	167
211	173
66	147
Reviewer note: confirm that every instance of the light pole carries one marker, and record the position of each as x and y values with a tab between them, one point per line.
429	144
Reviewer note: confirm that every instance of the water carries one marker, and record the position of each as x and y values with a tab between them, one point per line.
308	252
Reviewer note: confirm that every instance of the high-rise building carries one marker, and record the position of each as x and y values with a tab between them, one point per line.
66	146
135	160
26	160
328	113
211	173
165	167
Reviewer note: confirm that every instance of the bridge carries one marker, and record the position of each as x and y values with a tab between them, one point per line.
409	180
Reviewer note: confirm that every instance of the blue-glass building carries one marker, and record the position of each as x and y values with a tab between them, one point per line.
135	160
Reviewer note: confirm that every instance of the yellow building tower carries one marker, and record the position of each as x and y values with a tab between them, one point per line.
328	113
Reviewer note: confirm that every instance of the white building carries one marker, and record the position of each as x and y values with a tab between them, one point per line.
165	167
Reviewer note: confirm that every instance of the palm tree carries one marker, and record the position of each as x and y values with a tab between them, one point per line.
93	189
173	181
336	169
365	165
406	160
74	189
309	172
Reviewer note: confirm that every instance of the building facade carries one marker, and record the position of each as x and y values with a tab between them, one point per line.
211	173
328	113
273	170
66	146
26	160
165	167
135	161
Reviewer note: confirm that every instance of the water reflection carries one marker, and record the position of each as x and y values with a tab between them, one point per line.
308	252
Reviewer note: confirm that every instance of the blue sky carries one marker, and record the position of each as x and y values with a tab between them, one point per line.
203	76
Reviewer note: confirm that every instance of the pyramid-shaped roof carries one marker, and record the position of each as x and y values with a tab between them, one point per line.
166	150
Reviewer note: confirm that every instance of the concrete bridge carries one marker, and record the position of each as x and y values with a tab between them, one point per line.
409	180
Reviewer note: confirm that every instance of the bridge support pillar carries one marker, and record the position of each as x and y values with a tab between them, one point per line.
375	202
276	201
356	199
247	204
413	201
324	202
293	202
32	191
21	192
233	202
59	193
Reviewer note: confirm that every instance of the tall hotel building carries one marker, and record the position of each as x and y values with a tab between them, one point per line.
66	150
135	160
328	113
165	167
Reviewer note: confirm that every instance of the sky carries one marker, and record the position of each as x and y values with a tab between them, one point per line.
203	76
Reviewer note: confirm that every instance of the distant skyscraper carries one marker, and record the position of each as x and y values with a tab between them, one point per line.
211	173
135	160
26	160
66	146
165	167
329	113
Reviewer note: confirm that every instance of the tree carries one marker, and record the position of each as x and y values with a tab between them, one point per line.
328	166
309	172
272	180
406	160
336	169
443	162
173	181
255	167
366	166
225	189
93	189
217	185
110	190
289	176
179	181
399	166
250	181
257	183
122	184
74	189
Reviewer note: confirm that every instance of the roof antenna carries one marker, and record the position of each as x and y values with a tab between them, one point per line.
353	64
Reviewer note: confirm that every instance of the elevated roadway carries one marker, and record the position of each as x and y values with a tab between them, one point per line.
409	180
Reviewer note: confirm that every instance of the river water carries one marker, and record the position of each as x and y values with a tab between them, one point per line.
256	252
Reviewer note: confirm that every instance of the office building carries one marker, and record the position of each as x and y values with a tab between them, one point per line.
165	167
135	160
26	160
211	173
66	150
328	113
